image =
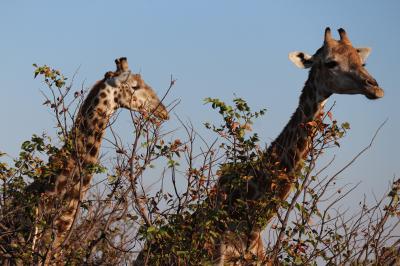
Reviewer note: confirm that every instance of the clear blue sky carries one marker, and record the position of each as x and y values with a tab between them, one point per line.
214	48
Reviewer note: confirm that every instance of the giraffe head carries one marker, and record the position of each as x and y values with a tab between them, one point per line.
339	67
131	92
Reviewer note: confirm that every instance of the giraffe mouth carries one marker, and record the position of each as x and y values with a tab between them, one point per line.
162	113
374	93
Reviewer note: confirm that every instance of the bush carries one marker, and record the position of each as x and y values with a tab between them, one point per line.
203	191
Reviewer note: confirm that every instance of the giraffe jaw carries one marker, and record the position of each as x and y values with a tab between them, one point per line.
374	93
162	112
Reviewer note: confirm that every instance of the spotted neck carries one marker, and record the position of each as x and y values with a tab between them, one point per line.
74	160
93	118
85	138
289	148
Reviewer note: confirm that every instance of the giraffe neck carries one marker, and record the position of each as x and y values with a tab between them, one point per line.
92	120
86	137
285	153
289	148
81	151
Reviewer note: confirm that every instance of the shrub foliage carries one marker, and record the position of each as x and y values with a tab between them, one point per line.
201	191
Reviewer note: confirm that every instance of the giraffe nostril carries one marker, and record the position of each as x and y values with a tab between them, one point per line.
371	82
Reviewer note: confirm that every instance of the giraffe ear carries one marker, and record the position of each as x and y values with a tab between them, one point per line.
301	60
364	53
113	82
117	80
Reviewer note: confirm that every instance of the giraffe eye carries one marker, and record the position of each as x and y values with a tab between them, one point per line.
135	88
331	64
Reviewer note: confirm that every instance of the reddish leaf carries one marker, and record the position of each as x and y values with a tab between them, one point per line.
330	116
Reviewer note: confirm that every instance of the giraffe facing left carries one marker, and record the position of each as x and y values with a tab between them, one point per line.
119	89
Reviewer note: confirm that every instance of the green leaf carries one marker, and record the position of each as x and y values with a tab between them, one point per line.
151	229
346	125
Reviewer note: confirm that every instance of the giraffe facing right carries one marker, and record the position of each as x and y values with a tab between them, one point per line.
336	68
60	198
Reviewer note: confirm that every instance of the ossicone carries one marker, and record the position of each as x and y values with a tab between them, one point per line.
343	36
122	64
328	36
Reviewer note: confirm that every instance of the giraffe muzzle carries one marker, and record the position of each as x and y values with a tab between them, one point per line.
161	112
374	92
164	115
